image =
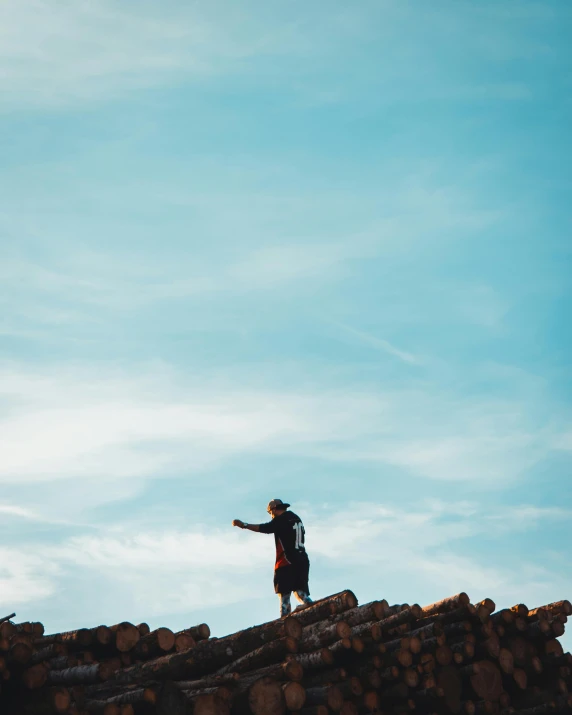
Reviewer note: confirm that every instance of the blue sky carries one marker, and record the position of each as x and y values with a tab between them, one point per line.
306	250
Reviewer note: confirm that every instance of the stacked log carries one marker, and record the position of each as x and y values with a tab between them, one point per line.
333	657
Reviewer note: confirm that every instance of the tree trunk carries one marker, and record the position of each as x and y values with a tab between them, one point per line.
184	641
506	661
143	629
20	652
207	705
312	661
373	611
82	674
447	604
338	603
35	677
268	654
294	695
329	695
448	680
323	634
265	697
289	670
487	683
213	681
328	676
463	613
49	652
126	636
431	630
47	701
158	642
200	633
135	696
408	615
314	710
488	603
81	638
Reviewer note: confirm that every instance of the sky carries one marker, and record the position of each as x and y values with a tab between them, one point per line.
318	251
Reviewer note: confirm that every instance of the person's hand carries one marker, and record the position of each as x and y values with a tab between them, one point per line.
239	523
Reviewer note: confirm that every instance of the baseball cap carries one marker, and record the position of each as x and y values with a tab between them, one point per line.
276	504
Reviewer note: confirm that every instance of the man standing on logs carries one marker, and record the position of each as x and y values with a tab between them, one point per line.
292	564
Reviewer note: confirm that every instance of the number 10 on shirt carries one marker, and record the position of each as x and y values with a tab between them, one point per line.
299	529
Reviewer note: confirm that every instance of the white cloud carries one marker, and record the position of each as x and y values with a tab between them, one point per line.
69	51
150	422
13	510
422	548
25	576
380	344
59	52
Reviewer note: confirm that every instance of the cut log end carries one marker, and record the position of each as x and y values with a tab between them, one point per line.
266	698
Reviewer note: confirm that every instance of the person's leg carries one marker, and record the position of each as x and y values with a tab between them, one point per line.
303	597
285	604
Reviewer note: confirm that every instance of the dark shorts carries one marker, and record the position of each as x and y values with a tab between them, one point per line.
293	577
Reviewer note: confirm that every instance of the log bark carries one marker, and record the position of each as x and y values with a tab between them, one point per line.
338	603
294	695
407	615
126	636
265	697
143	629
369	612
447	604
520	610
289	670
488	603
506	661
35	677
184	641
248	640
487	683
329	695
158	642
135	696
208	705
82	674
268	654
213	681
49	652
450	683
101	707
20	652
431	630
559	607
328	676
314	710
313	661
201	632
463	613
322	634
205	658
78	639
46	701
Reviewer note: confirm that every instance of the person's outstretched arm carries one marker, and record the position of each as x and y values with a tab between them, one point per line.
242	525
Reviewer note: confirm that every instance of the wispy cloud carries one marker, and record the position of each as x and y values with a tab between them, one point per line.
12	510
201	560
153	421
380	344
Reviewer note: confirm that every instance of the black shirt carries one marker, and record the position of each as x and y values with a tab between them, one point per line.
289	536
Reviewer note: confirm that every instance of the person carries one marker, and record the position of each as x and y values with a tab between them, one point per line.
292	567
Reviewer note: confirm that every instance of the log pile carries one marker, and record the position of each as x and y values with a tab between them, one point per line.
331	658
